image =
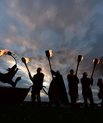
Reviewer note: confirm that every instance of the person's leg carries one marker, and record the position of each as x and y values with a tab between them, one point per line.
85	100
33	97
73	100
90	96
38	98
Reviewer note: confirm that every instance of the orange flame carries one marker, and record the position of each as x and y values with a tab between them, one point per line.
51	53
27	60
4	52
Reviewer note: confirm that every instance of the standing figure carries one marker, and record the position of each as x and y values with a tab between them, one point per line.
37	81
86	89
100	93
57	91
73	82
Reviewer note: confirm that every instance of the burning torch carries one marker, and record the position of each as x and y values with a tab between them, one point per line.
25	61
7	52
95	62
49	54
80	58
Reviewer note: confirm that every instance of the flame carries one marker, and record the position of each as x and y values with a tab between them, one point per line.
96	61
51	53
27	59
4	52
82	57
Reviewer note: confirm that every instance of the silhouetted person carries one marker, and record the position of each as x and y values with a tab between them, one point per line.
73	82
100	93
57	91
7	77
37	81
86	89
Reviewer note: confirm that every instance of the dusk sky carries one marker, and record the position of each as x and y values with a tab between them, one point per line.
68	27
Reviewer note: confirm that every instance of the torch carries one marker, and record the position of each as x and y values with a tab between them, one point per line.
7	52
49	54
80	58
95	62
25	61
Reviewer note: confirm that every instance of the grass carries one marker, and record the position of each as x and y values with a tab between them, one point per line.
27	113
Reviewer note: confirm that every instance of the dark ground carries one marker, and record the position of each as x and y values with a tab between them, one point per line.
25	112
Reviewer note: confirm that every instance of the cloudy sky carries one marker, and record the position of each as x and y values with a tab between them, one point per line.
68	27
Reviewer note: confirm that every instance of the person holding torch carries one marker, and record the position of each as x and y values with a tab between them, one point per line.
37	80
73	82
86	85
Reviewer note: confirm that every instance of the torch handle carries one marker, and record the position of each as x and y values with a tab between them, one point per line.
24	61
11	54
77	68
93	71
27	68
14	59
50	66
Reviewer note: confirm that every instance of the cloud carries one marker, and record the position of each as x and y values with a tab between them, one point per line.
69	27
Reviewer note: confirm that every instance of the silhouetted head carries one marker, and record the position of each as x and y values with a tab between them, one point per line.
39	70
85	74
57	72
71	71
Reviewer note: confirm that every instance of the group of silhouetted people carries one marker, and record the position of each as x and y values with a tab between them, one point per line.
86	84
57	93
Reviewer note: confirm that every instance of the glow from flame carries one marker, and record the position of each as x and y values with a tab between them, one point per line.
82	58
4	52
51	53
27	59
97	61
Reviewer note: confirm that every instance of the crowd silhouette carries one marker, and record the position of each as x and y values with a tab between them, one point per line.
57	92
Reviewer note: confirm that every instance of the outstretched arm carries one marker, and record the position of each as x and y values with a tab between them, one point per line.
31	78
